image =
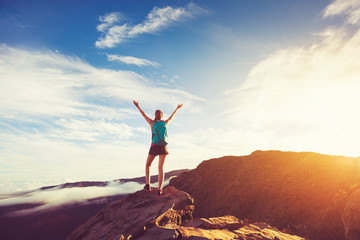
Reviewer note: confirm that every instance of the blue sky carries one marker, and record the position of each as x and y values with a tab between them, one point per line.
251	74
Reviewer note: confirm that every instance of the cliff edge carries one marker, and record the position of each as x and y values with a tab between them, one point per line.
144	215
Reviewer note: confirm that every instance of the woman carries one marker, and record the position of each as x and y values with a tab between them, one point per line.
158	144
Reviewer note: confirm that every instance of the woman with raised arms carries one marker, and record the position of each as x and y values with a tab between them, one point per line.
158	144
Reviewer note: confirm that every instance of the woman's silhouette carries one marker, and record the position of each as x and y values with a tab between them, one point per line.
158	144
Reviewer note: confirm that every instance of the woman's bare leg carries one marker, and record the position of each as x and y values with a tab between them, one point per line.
149	161
161	171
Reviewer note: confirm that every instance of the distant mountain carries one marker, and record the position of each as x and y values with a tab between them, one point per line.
37	220
140	180
315	196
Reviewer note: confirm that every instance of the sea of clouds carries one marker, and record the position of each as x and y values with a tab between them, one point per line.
55	197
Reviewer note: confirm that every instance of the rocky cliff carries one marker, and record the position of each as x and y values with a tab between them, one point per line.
144	215
315	196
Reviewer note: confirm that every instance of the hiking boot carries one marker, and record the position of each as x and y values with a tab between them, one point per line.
147	187
160	193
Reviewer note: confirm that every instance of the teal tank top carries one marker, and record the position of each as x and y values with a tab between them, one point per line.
159	134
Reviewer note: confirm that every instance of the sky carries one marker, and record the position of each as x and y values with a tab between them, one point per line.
252	75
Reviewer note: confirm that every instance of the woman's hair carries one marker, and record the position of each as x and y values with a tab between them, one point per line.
158	115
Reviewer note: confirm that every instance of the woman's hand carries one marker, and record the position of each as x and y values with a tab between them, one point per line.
179	106
136	103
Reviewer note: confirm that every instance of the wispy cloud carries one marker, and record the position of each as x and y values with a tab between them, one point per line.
108	20
45	83
92	130
132	60
157	20
350	9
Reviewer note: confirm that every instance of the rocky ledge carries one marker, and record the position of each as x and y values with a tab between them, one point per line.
144	215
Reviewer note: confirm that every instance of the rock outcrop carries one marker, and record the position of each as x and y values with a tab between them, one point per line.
135	214
311	194
144	215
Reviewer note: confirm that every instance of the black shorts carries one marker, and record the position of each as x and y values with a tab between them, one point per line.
158	150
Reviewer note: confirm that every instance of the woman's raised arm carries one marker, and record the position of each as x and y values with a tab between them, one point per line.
173	114
143	113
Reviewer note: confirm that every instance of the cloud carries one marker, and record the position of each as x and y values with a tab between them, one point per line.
132	60
304	97
108	20
113	36
49	157
45	83
92	130
53	198
157	20
350	9
56	197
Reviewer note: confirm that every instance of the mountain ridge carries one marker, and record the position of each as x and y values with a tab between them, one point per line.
140	180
